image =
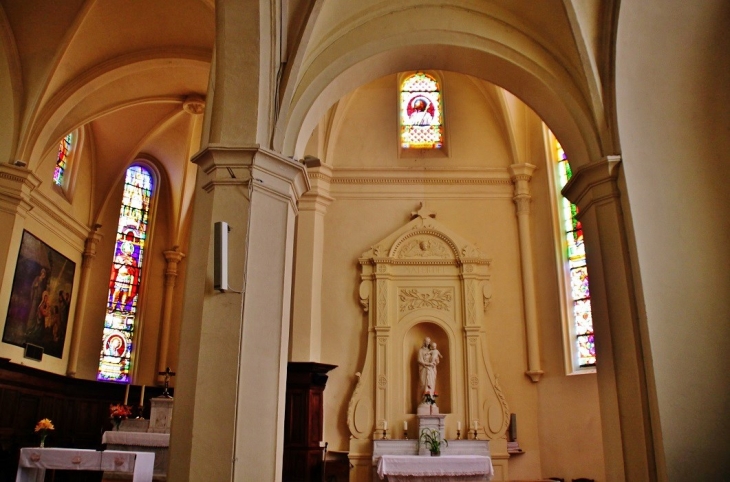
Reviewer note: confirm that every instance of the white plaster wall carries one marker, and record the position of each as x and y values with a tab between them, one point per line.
672	79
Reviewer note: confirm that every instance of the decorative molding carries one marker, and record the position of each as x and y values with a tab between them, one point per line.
365	290
400	180
593	183
423	247
415	299
396	249
194	104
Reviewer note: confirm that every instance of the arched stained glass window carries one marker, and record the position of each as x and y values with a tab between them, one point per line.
584	349
126	272
421	113
62	160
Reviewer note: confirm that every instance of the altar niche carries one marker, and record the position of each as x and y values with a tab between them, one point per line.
412	342
424	280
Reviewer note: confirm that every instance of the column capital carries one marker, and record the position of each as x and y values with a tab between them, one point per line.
173	257
90	245
16	185
318	197
521	172
270	171
593	183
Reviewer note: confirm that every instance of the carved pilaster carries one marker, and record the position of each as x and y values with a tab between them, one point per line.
88	257
521	175
173	258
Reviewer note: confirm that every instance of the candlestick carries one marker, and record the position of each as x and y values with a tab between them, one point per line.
141	397
458	434
126	394
512	427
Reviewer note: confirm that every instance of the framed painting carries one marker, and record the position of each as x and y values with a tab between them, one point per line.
40	298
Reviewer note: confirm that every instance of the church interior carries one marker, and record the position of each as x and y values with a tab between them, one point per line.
227	190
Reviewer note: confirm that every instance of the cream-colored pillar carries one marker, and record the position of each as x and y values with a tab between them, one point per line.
231	376
88	258
622	385
521	175
173	258
307	311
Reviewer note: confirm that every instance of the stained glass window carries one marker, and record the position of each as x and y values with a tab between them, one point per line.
580	295
421	113
124	281
63	150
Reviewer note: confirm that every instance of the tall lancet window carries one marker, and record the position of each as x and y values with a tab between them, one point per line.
64	148
421	113
126	273
583	349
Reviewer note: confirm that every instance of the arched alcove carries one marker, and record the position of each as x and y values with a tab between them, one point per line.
412	341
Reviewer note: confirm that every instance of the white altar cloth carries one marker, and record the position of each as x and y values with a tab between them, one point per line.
34	462
142	439
444	468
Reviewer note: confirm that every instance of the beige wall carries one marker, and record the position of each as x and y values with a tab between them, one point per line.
364	143
672	94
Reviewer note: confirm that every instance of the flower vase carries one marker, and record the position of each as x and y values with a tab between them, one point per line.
117	422
435	453
43	440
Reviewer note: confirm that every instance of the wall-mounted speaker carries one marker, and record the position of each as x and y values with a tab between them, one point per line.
220	262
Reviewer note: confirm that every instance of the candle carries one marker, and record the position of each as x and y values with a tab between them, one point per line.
476	424
385	425
141	397
126	394
458	425
405	425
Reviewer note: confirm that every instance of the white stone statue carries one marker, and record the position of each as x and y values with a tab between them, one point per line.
428	358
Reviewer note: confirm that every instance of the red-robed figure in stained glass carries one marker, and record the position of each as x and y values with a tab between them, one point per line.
124	275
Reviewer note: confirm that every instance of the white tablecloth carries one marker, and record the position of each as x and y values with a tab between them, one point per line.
34	462
142	439
427	468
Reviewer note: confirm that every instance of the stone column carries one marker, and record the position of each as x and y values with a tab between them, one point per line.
621	367
173	258
521	175
231	376
230	391
307	312
88	257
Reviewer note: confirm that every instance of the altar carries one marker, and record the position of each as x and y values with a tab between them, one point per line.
419	468
34	462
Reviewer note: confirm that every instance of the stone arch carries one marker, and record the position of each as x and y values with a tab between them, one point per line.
535	77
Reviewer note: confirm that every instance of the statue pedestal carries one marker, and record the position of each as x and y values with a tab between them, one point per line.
433	422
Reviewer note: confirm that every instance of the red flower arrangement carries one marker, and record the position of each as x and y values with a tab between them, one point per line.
119	412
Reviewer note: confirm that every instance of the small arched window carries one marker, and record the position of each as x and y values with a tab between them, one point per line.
421	113
64	150
582	350
126	273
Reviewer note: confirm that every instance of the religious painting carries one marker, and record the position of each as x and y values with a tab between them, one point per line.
40	298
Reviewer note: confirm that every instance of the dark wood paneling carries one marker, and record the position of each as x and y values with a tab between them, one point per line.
79	410
303	421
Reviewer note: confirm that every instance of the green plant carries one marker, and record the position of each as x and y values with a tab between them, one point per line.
431	438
